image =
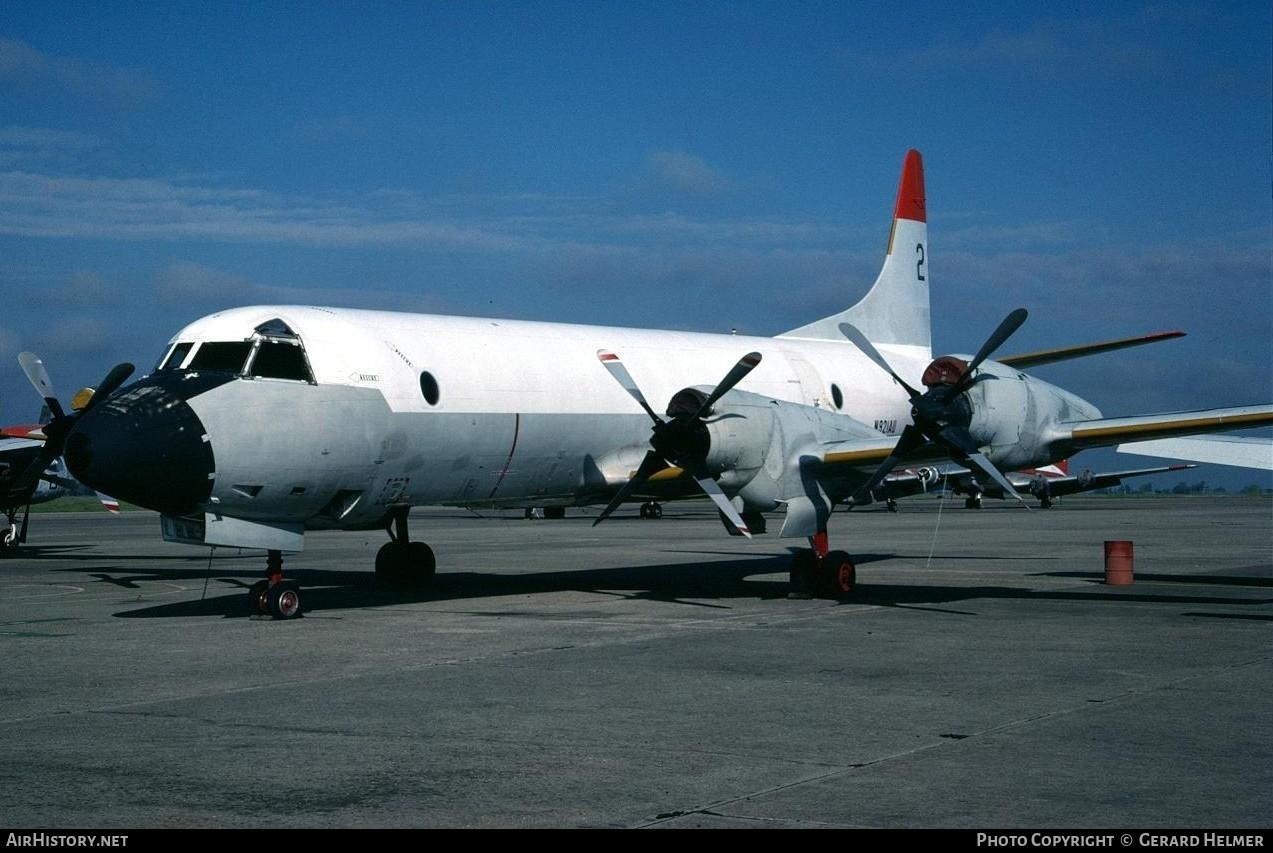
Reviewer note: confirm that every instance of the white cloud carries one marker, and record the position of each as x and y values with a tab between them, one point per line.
187	283
33	72
686	173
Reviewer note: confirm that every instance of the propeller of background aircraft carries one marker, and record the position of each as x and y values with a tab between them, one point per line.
56	430
682	441
942	413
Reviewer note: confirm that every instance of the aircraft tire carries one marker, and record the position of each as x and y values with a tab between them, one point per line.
257	603
405	564
284	600
421	564
804	570
837	575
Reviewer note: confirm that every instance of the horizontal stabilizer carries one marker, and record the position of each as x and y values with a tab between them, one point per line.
1048	356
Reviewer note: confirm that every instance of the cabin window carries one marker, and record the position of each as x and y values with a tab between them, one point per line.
429	388
228	356
837	396
175	356
281	360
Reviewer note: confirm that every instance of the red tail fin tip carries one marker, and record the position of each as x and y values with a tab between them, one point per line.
910	192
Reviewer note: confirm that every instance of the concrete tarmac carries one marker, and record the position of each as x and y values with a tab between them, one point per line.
651	673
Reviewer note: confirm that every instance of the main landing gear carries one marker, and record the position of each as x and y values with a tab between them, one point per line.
651	510
401	562
274	596
818	572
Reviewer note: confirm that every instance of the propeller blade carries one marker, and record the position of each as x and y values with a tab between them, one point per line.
651	464
960	438
1006	328
911	438
117	376
713	491
745	365
39	378
868	349
611	362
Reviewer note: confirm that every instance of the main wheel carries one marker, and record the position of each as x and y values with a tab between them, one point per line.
804	571
284	600
258	605
837	575
973	502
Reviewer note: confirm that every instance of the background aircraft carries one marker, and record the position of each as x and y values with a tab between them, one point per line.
259	423
1046	483
29	476
17	494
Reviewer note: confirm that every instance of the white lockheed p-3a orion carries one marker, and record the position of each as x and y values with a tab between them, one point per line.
260	423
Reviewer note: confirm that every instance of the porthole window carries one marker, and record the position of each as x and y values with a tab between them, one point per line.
836	396
429	388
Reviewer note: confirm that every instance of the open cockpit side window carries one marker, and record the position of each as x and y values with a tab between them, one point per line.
277	353
280	359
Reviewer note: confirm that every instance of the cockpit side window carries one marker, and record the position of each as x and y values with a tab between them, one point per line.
228	356
176	356
281	360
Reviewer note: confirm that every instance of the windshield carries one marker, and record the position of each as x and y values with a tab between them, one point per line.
175	356
216	355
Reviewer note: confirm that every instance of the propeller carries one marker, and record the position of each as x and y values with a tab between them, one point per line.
940	415
56	430
681	441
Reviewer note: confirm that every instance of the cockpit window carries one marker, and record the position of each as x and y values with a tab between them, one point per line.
176	356
281	360
216	355
275	328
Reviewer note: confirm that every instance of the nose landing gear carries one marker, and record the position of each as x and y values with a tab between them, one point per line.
401	562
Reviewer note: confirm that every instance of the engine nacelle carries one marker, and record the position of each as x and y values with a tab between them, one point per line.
1012	415
755	445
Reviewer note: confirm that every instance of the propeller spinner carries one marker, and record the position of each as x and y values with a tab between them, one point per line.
681	441
56	431
941	414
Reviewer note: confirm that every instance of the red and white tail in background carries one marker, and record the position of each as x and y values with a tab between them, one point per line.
895	310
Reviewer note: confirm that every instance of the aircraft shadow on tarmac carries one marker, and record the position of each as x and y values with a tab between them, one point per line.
690	583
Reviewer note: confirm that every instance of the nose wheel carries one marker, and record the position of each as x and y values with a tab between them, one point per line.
274	596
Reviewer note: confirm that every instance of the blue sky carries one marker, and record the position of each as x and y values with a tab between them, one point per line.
707	165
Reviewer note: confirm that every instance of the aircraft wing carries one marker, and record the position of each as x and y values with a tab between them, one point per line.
862	455
961	480
1109	431
1088	481
1217	449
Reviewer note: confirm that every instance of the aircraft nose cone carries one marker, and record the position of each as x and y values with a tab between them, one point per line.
144	445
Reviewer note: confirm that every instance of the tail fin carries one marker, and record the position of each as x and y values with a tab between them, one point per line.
895	309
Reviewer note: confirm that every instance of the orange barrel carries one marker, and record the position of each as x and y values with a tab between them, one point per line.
1118	562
